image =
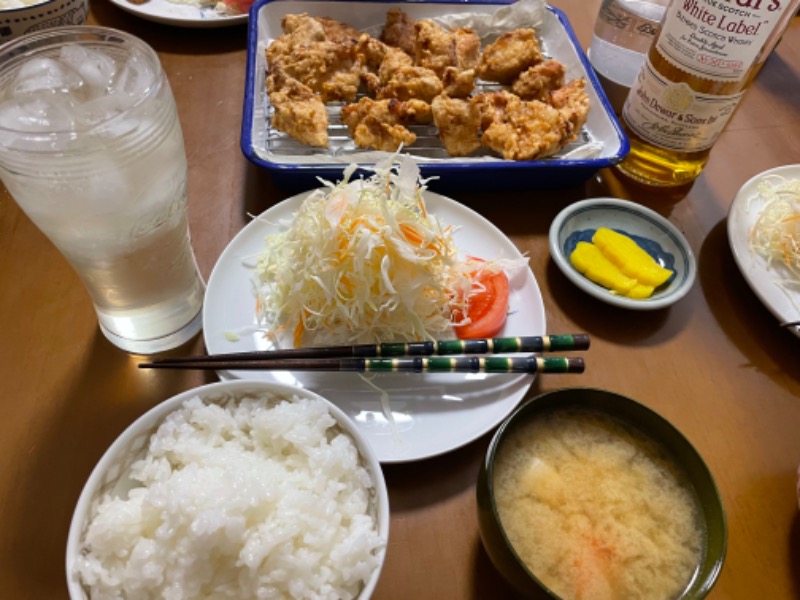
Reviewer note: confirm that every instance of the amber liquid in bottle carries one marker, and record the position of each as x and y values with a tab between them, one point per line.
664	167
671	148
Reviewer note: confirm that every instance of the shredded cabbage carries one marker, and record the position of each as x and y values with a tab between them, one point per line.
364	261
775	235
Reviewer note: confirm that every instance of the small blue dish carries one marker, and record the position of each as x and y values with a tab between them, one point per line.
652	232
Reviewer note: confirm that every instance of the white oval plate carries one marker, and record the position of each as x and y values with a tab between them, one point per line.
180	15
781	302
430	413
633	219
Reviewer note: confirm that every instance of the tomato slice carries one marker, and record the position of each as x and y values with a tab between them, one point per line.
487	307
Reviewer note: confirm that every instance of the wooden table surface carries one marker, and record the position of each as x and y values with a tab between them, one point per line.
716	364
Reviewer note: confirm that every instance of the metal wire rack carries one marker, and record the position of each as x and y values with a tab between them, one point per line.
427	145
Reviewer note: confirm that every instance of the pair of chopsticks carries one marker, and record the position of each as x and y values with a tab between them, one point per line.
417	357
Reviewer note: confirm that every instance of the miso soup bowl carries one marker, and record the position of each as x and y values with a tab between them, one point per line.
680	451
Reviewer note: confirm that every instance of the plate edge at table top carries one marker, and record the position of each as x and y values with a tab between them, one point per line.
176	20
738	225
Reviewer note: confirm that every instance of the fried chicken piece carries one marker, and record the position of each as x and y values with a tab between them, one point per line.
459	123
302	30
509	55
398	31
519	129
374	133
380	124
413	111
437	48
458	84
434	47
372	52
572	101
393	61
390	72
537	82
380	61
492	106
330	68
411	82
298	111
336	31
468	48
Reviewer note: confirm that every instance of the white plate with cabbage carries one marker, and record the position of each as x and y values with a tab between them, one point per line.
200	14
764	234
405	416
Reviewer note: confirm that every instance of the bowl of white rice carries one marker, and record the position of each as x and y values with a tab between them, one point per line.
18	17
237	489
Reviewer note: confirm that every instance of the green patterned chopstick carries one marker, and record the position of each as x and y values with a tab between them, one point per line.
418	364
504	345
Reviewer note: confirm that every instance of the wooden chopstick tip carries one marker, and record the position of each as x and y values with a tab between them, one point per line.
582	341
575	365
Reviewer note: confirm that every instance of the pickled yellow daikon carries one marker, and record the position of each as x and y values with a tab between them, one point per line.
631	259
594	265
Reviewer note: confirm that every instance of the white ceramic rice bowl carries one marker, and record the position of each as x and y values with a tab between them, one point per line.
132	445
16	22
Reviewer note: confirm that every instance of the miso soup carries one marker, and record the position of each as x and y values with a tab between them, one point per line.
596	510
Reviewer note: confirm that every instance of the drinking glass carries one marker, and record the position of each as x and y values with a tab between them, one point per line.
91	149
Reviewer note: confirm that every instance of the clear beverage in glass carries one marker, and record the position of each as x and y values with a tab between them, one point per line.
623	33
91	149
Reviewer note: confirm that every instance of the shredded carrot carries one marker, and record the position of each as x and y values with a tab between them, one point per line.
298	334
411	234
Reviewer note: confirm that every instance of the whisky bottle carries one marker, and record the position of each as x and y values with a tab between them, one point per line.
705	57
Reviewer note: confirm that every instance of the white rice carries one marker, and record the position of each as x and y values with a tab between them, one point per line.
250	498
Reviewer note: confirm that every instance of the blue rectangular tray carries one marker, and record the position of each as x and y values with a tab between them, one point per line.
296	167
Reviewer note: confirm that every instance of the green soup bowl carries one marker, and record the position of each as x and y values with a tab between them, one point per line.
634	417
